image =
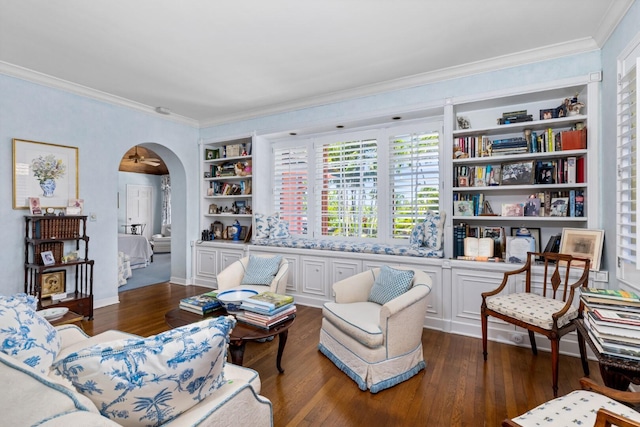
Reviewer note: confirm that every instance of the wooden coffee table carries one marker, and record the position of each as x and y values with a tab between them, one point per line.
239	336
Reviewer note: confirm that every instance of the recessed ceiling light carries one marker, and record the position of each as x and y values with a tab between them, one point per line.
340	126
396	118
163	110
292	133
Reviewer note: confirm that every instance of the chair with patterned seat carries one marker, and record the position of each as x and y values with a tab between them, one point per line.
545	306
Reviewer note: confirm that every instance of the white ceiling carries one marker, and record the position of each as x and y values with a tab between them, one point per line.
214	61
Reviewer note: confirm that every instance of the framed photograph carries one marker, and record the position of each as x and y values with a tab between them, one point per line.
517	173
559	206
47	171
52	282
463	181
545	173
211	154
47	258
247	237
34	206
463	208
532	207
549	113
243	232
209	191
583	243
512	209
535	233
213	208
217	229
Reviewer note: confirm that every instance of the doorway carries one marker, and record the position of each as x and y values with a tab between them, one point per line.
139	207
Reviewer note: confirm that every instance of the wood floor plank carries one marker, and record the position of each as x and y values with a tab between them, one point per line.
457	388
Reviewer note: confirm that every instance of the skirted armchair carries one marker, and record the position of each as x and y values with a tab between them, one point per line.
377	344
263	274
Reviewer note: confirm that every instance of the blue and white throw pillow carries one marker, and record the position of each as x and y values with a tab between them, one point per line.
390	284
416	238
263	226
149	381
433	230
261	270
26	335
279	229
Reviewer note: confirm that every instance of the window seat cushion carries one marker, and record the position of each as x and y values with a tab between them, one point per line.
358	247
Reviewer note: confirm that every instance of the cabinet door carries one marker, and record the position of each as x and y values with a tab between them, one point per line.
228	257
206	266
315	278
342	269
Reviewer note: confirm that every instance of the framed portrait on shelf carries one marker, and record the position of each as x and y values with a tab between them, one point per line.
583	243
47	258
217	229
213	208
535	233
52	282
517	173
47	171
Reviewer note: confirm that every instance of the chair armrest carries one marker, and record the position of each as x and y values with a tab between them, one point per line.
355	288
231	276
606	418
279	282
402	320
630	397
70	334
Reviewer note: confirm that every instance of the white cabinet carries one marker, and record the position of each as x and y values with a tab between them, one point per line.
315	276
211	258
227	188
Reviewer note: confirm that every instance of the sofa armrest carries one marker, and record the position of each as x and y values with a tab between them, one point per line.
355	288
70	335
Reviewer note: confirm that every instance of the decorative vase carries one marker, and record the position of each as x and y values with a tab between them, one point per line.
48	187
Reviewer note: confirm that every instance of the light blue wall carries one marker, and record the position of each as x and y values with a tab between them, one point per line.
103	133
626	31
154	181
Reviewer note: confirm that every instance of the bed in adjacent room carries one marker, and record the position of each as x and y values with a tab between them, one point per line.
137	247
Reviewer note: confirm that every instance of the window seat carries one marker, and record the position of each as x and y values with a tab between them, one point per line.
343	246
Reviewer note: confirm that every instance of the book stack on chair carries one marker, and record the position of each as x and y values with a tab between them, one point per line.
267	310
612	318
201	304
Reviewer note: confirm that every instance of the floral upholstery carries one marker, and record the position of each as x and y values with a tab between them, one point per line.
26	335
577	408
531	308
356	247
149	381
263	228
428	233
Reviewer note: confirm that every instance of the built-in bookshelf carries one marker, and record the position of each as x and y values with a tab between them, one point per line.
522	160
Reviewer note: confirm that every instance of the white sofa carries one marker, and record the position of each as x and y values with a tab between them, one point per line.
28	397
162	242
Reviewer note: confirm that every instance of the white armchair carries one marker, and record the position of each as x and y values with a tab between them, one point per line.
231	277
377	346
162	242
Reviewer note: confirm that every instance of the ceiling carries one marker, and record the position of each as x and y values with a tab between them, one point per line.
127	164
210	62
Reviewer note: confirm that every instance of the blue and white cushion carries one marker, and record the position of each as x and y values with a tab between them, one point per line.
149	381
416	238
261	270
433	230
26	335
263	227
390	284
279	229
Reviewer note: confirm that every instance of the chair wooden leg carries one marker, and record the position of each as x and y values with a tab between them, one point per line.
532	339
484	336
555	357
583	354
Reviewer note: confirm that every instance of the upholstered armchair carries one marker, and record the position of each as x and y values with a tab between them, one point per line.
377	344
257	273
162	242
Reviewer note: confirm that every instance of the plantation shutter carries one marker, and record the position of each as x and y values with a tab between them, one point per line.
291	187
346	188
414	179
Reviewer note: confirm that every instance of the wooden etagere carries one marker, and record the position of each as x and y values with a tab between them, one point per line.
59	234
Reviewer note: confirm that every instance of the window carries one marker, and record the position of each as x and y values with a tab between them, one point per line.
329	186
414	177
627	241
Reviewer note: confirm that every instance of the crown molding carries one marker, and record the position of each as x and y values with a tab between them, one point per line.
614	15
493	64
67	86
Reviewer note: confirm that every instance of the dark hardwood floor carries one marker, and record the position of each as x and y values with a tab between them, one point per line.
456	389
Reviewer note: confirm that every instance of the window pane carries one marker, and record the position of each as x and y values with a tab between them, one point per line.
291	187
414	179
346	185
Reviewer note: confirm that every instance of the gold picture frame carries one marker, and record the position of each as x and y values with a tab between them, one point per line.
583	243
47	171
52	282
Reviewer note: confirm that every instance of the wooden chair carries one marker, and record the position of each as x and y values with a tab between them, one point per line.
594	405
544	307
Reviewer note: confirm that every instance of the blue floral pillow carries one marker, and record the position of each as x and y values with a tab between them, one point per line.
429	232
390	284
26	335
416	238
150	381
263	226
261	270
279	228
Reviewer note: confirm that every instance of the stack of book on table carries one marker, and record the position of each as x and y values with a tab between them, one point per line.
612	318
267	309
201	304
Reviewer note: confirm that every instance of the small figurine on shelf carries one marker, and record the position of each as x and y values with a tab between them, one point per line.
236	230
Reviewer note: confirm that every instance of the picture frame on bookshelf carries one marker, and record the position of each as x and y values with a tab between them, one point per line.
583	243
213	208
559	206
535	233
512	209
47	258
548	113
544	174
212	154
463	181
217	229
517	173
210	191
463	208
532	207
53	282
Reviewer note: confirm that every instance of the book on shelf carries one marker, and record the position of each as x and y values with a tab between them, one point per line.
612	296
478	247
270	300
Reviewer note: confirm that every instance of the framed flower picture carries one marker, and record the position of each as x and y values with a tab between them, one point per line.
46	171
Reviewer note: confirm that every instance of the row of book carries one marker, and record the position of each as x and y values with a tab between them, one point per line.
227	188
612	319
546	141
